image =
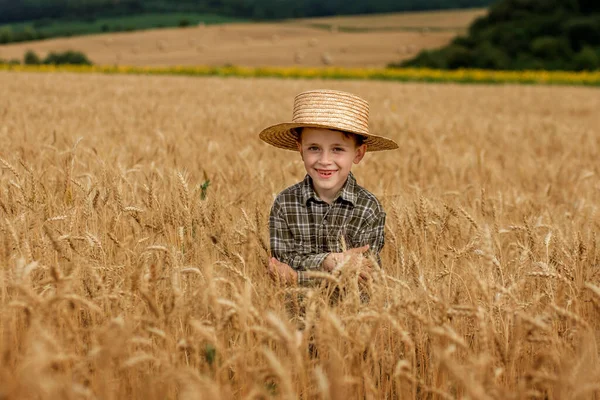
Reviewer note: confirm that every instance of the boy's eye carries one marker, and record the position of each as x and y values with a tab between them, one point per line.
338	149
313	148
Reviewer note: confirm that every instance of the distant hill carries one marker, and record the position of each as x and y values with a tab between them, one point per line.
373	40
27	20
524	34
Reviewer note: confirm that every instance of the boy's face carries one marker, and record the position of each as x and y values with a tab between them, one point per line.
328	156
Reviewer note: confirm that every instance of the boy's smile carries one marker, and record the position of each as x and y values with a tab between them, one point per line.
325	173
328	156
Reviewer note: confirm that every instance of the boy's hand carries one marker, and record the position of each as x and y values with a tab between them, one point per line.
357	250
333	259
282	272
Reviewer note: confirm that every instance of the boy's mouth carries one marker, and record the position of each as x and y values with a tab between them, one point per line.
325	173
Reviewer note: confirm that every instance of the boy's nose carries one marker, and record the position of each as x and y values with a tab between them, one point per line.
325	158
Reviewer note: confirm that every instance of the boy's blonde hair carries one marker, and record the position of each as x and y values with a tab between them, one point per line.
359	140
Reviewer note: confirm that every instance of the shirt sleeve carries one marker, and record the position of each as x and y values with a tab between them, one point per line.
284	250
373	235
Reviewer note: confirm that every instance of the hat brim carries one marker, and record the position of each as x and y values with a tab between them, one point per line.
281	136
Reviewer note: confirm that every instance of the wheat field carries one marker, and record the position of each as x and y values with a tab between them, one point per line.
456	20
371	41
134	237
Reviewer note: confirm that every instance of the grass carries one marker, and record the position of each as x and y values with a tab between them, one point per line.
59	28
119	279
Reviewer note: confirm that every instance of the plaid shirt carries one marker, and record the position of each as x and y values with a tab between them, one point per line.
304	229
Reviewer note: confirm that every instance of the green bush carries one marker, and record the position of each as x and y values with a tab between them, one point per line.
6	35
551	48
525	34
28	34
586	60
487	56
526	61
426	58
582	31
67	57
42	23
458	57
31	58
465	41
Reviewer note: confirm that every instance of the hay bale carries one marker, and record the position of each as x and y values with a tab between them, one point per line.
326	59
313	42
161	45
298	57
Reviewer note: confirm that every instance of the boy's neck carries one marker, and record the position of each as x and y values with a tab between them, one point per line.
329	196
326	198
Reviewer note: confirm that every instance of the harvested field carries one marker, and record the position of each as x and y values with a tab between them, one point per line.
455	20
126	275
297	42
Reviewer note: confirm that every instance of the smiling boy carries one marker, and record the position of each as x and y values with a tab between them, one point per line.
311	221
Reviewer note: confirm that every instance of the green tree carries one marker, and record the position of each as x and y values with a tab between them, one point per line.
583	32
31	58
551	48
67	57
487	56
525	34
6	35
28	34
587	59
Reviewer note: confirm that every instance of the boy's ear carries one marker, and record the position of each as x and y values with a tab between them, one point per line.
360	153
299	148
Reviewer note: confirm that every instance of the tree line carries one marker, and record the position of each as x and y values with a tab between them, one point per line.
28	10
525	35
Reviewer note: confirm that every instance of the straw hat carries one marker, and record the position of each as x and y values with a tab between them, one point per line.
328	109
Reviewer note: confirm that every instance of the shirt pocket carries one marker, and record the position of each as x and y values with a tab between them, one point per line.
302	245
336	239
352	235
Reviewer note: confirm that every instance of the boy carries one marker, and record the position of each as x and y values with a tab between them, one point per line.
310	221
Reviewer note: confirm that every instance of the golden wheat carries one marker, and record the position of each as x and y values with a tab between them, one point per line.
134	244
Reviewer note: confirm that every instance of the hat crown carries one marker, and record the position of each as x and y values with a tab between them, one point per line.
326	109
340	110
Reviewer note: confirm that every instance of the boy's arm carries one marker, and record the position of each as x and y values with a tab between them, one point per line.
283	249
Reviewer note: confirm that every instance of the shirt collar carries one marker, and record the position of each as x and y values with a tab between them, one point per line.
348	192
